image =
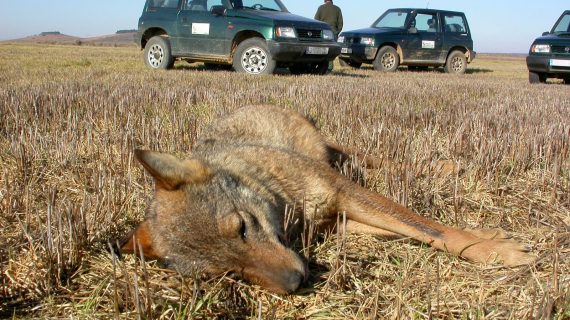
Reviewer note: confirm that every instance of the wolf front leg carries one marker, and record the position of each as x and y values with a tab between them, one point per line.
371	209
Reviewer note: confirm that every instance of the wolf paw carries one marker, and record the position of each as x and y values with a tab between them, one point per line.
507	252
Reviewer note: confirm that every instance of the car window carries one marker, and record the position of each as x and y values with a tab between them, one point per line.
173	4
270	5
204	5
454	24
563	25
392	19
223	3
425	22
197	5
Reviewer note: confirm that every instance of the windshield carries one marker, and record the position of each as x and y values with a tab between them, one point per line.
269	5
563	25
392	19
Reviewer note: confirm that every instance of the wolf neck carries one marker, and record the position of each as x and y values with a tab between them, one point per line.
280	175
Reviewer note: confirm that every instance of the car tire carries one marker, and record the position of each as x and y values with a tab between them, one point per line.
456	63
252	56
320	68
157	53
535	77
387	60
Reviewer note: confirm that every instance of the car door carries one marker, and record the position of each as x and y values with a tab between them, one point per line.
201	32
424	41
455	31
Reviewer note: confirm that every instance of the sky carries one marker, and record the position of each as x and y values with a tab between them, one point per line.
497	26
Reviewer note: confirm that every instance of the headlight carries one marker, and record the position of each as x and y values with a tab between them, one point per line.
328	35
340	39
286	32
540	48
369	41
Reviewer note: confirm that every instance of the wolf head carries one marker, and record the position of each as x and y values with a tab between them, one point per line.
205	217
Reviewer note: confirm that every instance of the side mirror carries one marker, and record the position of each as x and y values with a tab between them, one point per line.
545	33
218	10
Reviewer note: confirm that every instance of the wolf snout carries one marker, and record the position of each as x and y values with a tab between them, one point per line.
296	278
280	274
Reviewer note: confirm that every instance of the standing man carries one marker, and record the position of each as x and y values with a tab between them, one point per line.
330	14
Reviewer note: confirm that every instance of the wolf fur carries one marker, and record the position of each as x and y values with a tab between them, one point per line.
224	208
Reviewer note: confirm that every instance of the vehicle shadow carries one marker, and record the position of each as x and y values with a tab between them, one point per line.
478	70
348	73
339	72
200	67
435	70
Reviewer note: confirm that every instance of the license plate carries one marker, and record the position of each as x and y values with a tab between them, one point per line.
317	50
559	63
346	50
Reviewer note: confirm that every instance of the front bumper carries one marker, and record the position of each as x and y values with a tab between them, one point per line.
300	52
549	64
472	55
358	53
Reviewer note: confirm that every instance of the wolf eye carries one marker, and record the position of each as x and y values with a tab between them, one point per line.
243	230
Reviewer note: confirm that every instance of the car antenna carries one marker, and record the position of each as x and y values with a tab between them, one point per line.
427	4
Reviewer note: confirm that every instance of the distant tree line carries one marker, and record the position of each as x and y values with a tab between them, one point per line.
50	33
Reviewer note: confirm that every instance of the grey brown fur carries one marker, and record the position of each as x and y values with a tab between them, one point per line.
223	209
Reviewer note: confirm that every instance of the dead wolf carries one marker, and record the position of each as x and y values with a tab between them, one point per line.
223	208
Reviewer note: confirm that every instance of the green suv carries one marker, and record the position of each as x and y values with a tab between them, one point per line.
252	36
417	38
549	55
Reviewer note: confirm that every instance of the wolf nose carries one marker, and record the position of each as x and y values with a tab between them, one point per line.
295	280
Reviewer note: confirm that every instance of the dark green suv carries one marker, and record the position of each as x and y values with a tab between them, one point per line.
549	55
252	36
417	38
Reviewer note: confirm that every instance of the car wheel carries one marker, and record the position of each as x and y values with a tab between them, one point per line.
252	57
157	54
320	68
387	60
456	63
535	77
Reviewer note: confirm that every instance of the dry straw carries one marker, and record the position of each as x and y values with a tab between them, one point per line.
70	118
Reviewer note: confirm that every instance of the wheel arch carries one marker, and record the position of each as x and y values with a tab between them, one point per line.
465	51
151	32
241	37
393	45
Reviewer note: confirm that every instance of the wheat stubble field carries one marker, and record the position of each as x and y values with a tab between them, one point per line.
71	116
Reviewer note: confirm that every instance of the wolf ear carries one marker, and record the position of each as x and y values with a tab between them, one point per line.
140	238
170	172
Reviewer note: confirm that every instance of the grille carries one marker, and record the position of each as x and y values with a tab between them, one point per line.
309	34
561	49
